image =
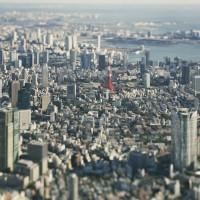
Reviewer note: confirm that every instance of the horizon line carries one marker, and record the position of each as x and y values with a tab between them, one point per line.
51	3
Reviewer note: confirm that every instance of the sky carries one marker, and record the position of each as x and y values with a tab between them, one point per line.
103	1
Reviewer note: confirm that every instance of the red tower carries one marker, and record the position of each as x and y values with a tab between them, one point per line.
109	84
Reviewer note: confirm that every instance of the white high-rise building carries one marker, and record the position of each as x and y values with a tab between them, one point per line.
39	34
14	36
184	138
25	75
45	76
125	60
50	39
68	42
99	43
73	187
74	41
44	39
146	80
34	80
73	56
13	55
196	84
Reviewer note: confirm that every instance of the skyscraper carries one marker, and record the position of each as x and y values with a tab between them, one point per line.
184	138
99	43
25	74
15	134
68	42
9	137
73	187
146	80
1	85
34	80
24	97
73	56
36	57
45	76
50	39
71	91
86	60
147	56
14	93
185	75
102	62
142	69
39	34
125	60
1	56
74	41
196	84
37	152
46	57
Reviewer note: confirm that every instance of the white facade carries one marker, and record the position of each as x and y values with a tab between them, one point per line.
196	84
74	41
45	76
146	80
50	39
68	42
24	119
184	138
73	187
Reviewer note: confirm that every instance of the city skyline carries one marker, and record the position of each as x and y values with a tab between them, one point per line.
101	2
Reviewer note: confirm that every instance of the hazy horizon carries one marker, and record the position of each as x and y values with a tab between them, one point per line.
163	2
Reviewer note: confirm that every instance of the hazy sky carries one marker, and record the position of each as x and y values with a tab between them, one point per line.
105	1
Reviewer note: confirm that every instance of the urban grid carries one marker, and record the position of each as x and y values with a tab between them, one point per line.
80	120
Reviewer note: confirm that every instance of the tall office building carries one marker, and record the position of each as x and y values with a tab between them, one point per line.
74	41
25	74
24	97
102	62
73	187
50	39
39	34
27	60
14	36
184	138
46	57
14	93
86	59
68	42
196	84
13	55
147	57
73	56
15	134
71	91
34	80
1	85
45	76
44	39
185	75
6	140
99	43
125	60
142	69
146	80
9	137
36	57
1	56
38	153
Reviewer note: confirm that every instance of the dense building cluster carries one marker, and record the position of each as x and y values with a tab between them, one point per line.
78	121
